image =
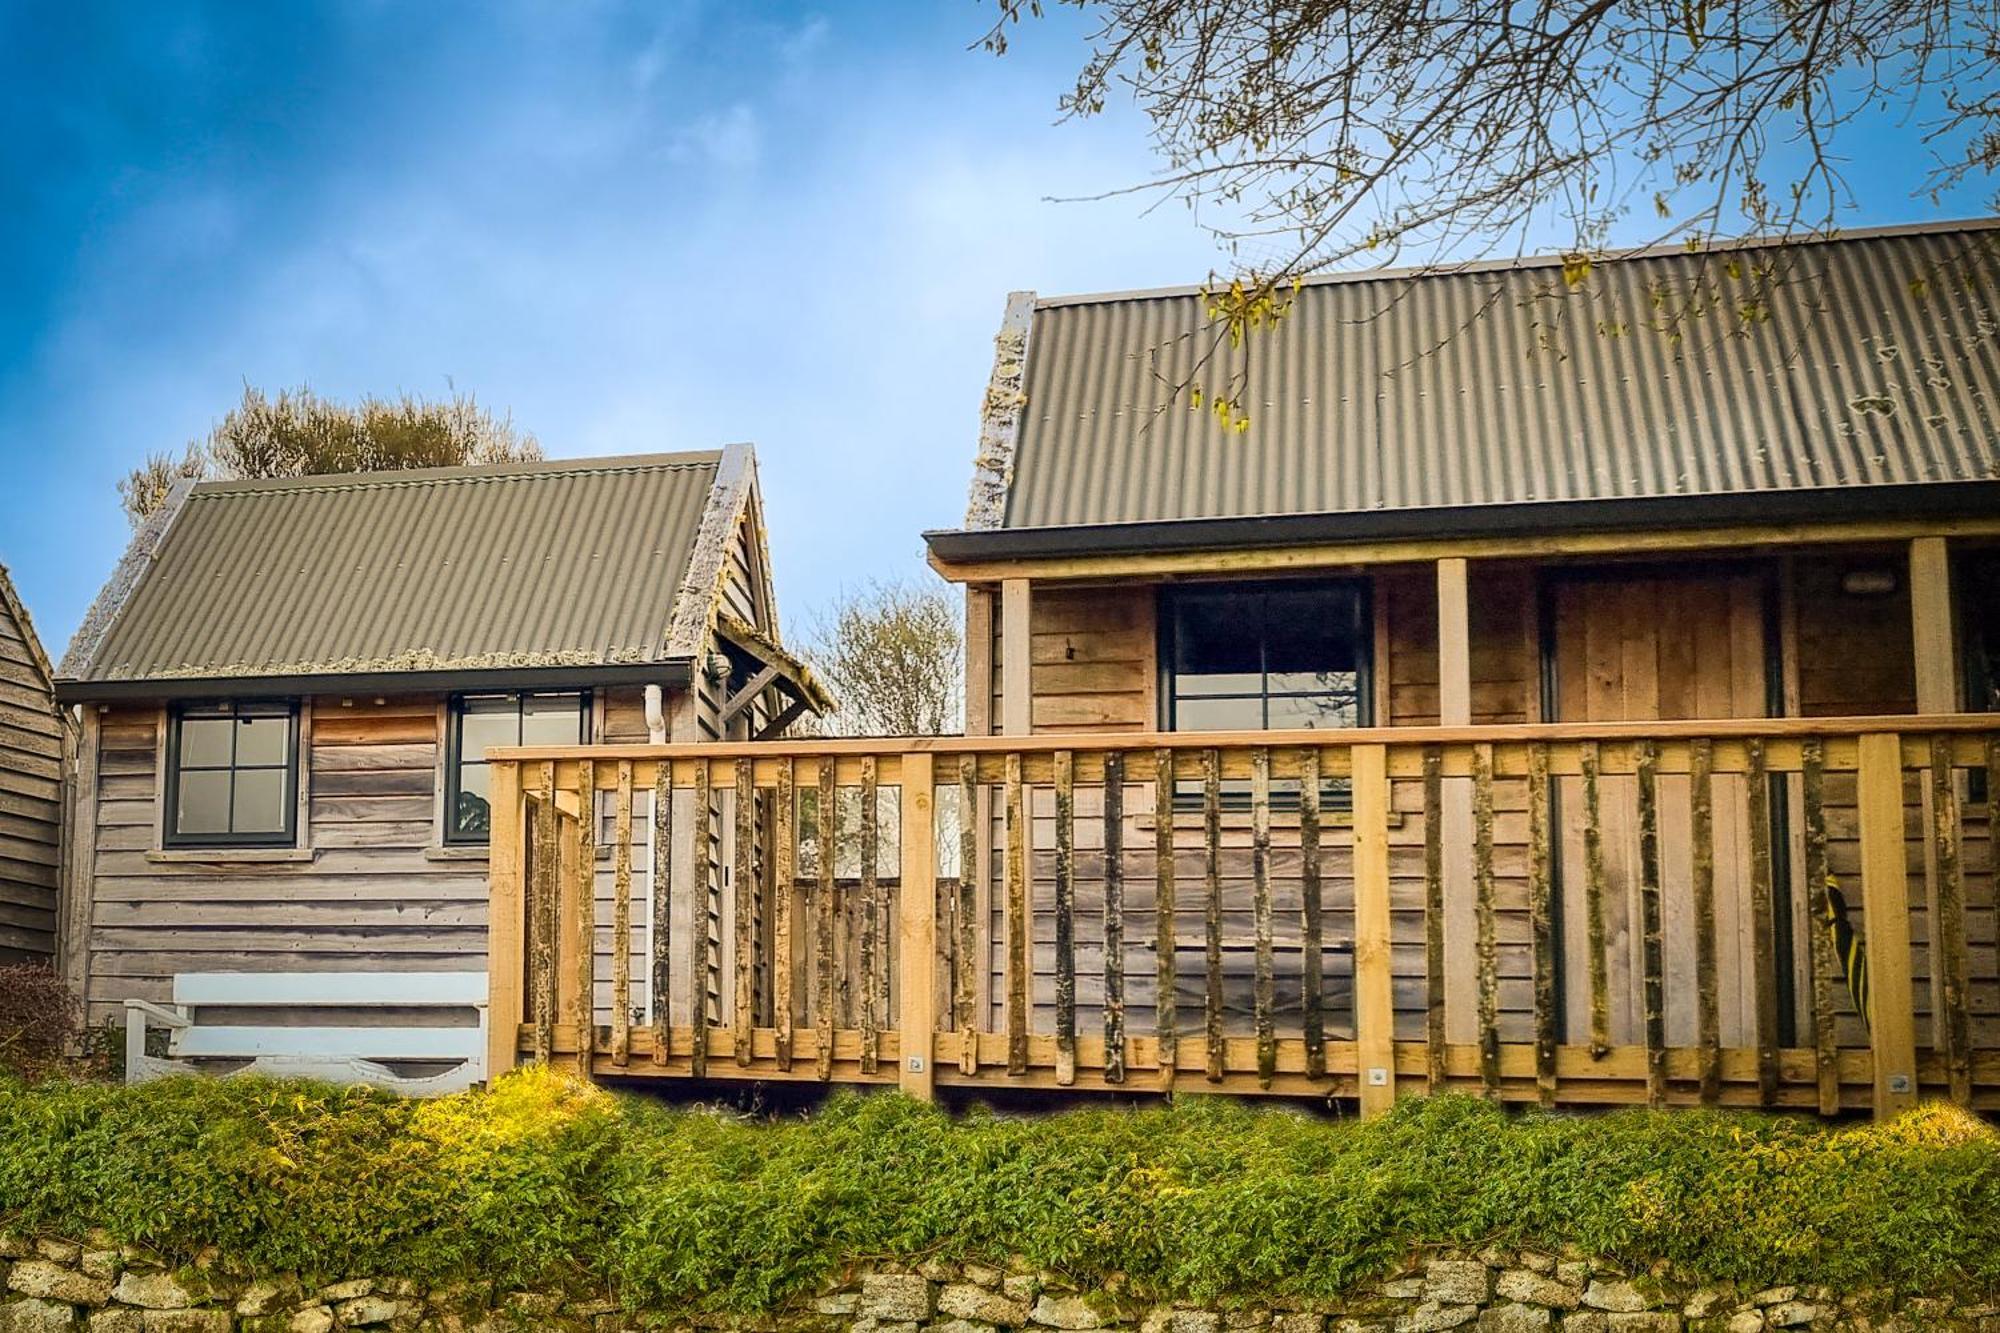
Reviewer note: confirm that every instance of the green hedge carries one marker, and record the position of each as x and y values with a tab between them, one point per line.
545	1181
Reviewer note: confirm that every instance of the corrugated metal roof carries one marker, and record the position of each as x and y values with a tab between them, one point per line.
1874	361
570	563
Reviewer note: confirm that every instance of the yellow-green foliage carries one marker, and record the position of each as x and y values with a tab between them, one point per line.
546	1181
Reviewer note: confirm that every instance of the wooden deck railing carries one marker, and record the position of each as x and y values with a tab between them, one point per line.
1562	913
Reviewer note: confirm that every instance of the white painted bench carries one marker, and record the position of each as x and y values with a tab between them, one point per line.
337	1054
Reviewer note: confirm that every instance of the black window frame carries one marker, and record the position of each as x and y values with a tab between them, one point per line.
171	836
455	760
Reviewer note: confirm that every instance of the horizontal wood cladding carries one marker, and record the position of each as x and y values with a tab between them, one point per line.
1092	658
31	754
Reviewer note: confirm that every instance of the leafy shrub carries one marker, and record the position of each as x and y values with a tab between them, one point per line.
40	1019
546	1181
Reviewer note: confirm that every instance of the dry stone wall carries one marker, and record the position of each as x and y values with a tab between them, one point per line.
100	1287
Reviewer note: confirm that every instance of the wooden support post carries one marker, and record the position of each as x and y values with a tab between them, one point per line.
784	875
505	920
1652	970
621	920
1165	1029
1434	967
1931	626
1065	907
1763	921
743	891
1263	987
1374	997
544	914
826	815
1457	887
1885	915
698	894
1708	1020
1825	966
1936	647
1016	657
581	922
659	989
916	927
1950	1021
872	945
1541	922
1020	955
965	995
1211	863
1312	938
1114	917
1488	940
1594	888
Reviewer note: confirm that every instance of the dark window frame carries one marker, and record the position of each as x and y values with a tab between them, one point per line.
171	836
455	761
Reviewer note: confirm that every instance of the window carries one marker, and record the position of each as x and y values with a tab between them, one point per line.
1265	657
479	722
1978	592
233	775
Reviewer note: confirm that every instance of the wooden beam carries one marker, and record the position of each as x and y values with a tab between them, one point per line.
79	857
1931	626
979	661
916	929
746	696
1885	896
1374	995
506	955
1454	643
1016	655
1458	931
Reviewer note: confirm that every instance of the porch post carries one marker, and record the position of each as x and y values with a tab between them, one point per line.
1016	716
1931	626
1454	645
916	927
505	950
1885	915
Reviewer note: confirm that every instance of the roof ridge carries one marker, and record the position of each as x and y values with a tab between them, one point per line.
476	472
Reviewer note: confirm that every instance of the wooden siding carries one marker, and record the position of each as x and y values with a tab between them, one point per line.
31	779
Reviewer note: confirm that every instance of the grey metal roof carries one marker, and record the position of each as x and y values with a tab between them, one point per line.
572	563
1871	359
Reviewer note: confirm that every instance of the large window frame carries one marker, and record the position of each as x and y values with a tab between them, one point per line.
172	836
457	761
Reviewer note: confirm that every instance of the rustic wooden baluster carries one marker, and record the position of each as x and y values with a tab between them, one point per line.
699	940
1065	867
1885	921
1826	1034
1164	928
827	816
1653	987
663	914
509	922
1763	921
1019	953
1374	984
784	874
544	914
621	920
1541	924
1211	848
871	921
1993	812
969	870
1488	944
1263	992
1114	917
1701	819
583	928
1312	980
1434	1032
1951	1033
1593	905
745	909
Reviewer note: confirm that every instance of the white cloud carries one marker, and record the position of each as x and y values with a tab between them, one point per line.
731	138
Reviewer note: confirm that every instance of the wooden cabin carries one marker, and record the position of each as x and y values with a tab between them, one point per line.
1576	688
289	687
33	738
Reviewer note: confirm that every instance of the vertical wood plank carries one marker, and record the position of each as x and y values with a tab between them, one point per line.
965	995
1263	987
1652	981
583	917
1826	1048
1434	982
661	976
621	919
543	913
1488	944
1763	921
506	942
1114	917
1065	886
1951	1027
1708	1023
1211	852
784	871
916	926
1885	895
1541	923
699	888
1931	626
1165	1031
1374	996
827	816
1454	643
1593	904
1312	943
871	917
1016	656
1019	956
746	895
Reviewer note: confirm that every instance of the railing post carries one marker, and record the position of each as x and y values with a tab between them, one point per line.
916	927
1885	916
1374	993
506	955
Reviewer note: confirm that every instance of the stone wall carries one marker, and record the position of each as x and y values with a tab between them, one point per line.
96	1285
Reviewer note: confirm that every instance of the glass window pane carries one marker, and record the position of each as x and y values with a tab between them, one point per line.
551	719
1313	710
1200	714
480	731
203	803
1307	632
471	816
264	741
260	801
1216	649
205	742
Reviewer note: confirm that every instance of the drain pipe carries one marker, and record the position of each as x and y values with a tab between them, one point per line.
656	715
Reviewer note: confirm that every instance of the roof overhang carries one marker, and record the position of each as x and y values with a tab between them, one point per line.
1923	500
673	673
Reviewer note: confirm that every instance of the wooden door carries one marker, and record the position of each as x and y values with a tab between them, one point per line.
1647	648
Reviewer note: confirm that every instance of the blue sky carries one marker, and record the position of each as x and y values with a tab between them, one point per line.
635	226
